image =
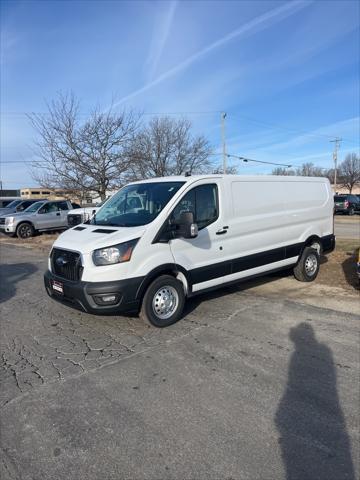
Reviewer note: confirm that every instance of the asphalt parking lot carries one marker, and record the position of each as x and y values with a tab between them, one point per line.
260	381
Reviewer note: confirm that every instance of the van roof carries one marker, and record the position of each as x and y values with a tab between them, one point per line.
249	178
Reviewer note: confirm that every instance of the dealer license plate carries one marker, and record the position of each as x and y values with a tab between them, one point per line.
58	287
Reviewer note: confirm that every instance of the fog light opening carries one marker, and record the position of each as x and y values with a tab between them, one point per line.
106	299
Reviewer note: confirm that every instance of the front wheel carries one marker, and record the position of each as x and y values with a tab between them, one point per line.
25	230
351	211
307	268
163	302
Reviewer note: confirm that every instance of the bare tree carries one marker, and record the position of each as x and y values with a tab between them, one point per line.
330	174
309	170
230	170
283	171
305	170
349	171
166	147
89	155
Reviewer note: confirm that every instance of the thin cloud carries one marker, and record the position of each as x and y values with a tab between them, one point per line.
262	21
161	33
348	128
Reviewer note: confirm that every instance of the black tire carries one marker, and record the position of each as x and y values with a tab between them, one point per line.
164	289
25	230
307	268
351	211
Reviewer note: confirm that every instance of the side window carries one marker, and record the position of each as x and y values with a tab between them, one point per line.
206	205
202	201
22	206
49	207
186	204
63	206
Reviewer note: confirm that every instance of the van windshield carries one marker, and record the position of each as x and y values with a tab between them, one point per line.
339	198
137	204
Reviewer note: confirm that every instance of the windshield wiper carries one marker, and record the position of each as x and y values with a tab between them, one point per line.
112	224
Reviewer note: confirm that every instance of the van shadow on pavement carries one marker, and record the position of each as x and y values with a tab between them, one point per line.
313	438
193	303
10	275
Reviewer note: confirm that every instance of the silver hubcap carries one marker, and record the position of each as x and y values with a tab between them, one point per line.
165	302
311	264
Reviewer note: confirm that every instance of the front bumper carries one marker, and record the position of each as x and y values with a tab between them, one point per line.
82	294
341	210
8	228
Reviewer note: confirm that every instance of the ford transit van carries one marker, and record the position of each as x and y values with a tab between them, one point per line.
159	241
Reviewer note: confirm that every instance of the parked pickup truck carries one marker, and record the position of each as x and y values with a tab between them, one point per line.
81	215
40	216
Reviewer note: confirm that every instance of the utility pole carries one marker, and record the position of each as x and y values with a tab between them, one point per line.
223	116
336	142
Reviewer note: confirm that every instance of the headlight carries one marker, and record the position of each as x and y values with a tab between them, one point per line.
9	220
116	254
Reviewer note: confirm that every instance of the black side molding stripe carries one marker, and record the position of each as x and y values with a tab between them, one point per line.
221	269
258	259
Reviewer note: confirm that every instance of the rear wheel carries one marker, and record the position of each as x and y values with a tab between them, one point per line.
163	302
25	230
307	268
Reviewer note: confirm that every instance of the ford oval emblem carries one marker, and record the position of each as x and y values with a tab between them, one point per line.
61	261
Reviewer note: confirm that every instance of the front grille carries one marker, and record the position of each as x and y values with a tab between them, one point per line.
2	221
74	219
66	264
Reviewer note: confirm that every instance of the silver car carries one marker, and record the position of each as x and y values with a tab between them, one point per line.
40	216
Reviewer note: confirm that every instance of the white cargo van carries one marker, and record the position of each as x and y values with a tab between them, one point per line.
159	241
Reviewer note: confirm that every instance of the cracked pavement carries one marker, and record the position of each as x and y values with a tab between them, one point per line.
259	381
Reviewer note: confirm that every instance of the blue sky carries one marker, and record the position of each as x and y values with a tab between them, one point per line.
286	73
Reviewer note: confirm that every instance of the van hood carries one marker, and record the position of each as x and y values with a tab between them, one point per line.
87	238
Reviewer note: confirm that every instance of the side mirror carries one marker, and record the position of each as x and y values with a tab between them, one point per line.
42	210
187	227
20	208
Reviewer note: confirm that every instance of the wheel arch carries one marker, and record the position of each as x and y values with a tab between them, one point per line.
172	269
28	222
313	239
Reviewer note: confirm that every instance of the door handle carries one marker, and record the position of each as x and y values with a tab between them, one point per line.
222	231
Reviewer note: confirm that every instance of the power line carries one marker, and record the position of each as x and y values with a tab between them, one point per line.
204	112
244	159
293	130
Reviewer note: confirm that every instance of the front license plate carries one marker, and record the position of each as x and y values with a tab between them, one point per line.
58	287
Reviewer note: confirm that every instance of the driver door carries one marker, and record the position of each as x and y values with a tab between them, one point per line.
48	216
203	256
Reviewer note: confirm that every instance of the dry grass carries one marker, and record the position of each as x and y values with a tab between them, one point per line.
339	267
42	241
